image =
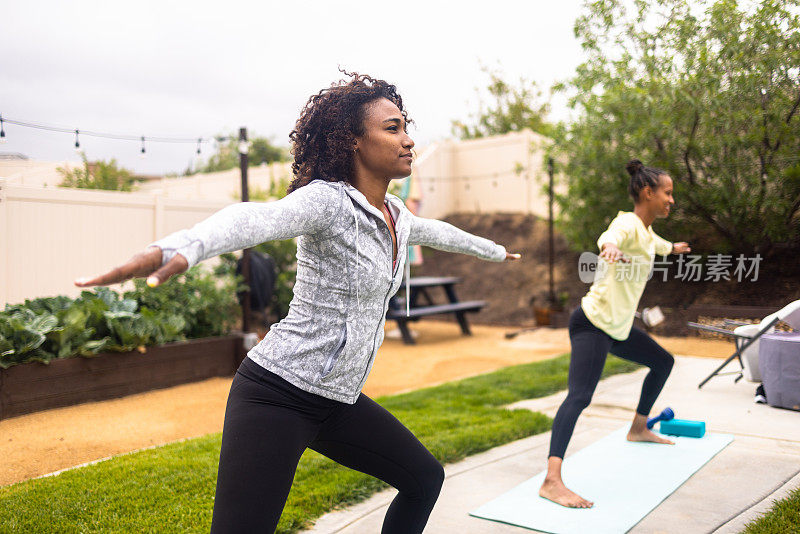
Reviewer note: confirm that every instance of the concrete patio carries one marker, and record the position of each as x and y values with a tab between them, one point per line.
761	465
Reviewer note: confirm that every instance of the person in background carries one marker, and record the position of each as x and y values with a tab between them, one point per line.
603	322
300	387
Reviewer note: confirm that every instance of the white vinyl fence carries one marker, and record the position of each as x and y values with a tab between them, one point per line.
50	236
502	173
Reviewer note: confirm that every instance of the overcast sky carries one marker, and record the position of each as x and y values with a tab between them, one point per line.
191	69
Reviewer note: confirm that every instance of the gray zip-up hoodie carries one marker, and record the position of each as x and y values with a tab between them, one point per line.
327	342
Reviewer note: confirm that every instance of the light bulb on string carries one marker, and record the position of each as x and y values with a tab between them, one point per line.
242	146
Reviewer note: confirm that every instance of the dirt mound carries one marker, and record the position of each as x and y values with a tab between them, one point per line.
509	287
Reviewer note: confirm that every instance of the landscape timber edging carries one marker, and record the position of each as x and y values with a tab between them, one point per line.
34	386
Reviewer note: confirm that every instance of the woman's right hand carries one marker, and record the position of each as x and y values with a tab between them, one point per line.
146	263
611	253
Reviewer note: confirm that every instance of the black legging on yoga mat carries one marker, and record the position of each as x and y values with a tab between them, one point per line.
269	423
590	345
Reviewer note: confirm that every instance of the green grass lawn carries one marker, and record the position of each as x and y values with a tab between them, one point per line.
171	488
783	517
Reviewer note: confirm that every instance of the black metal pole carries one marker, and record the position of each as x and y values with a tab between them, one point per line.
246	252
550	225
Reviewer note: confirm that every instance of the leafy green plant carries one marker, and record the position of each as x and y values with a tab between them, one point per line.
194	305
205	302
22	334
97	175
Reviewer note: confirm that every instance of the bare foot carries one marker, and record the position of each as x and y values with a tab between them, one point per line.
556	491
646	435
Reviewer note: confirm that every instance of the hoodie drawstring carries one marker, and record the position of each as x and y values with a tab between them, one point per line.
358	256
407	268
408	275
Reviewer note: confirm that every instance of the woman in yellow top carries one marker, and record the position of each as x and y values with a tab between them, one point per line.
603	322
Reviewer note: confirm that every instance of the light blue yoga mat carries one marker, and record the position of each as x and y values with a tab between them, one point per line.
624	480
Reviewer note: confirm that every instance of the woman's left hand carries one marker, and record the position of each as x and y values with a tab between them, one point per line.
512	257
681	248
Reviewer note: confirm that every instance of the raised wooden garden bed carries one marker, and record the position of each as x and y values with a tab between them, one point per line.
31	387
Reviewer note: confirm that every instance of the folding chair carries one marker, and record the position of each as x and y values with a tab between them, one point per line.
745	337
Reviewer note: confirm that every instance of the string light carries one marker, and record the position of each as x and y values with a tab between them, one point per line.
518	171
123	137
217	140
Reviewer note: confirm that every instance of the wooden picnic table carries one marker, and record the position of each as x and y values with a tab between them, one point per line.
421	289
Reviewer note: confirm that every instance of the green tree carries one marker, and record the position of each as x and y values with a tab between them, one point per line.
97	175
226	157
710	94
512	108
261	150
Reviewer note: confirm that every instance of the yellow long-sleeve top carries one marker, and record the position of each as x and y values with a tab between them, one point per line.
617	288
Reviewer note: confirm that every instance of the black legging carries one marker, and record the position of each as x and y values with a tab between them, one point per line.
590	345
269	423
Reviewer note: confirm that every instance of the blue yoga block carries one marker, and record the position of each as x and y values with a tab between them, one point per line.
683	427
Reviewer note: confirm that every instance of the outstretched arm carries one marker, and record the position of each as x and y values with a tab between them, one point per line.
147	263
444	236
308	210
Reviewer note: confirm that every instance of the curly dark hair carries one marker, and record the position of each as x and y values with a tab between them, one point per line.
323	137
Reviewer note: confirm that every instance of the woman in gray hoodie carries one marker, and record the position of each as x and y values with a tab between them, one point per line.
300	387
